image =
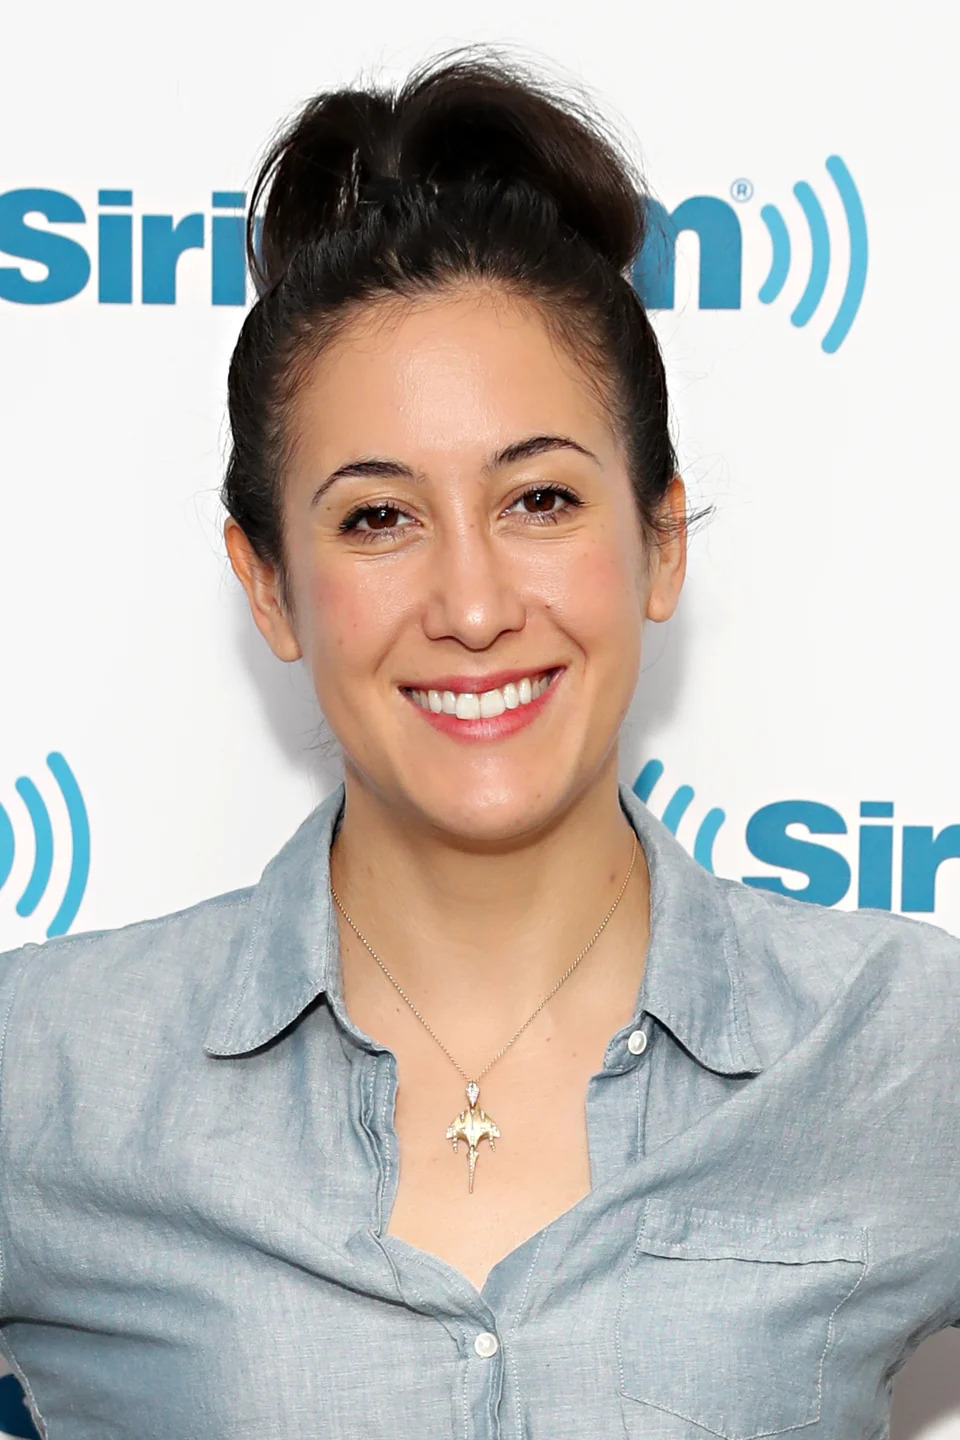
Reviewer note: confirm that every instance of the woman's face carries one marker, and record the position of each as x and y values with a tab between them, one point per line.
467	577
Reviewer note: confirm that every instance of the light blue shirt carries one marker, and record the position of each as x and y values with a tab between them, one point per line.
198	1162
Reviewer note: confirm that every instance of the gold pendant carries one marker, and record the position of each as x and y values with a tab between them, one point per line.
472	1126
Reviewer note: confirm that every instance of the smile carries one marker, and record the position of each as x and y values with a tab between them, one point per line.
486	705
490	714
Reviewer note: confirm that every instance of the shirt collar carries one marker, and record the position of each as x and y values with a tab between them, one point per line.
286	952
692	980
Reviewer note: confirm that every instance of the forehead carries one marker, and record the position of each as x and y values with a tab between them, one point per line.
456	374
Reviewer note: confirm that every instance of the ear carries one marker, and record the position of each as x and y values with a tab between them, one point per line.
668	557
261	582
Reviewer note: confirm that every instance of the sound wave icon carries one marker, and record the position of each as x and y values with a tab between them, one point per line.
39	817
820	259
676	807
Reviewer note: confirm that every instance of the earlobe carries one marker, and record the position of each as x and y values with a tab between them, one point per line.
670	557
260	582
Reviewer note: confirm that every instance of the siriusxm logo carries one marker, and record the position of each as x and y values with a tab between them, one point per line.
134	258
41	844
162	241
829	875
720	236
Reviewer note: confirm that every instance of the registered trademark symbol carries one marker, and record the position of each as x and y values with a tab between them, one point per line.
741	191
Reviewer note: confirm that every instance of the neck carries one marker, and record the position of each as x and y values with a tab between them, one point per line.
440	914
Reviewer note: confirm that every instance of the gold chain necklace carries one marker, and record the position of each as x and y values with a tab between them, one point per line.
473	1124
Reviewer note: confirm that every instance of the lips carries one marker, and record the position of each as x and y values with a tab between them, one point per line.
470	702
482	715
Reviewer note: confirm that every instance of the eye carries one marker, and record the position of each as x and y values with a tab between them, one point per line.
371	520
543	502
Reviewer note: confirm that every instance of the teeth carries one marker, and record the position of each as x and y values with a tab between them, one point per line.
491	703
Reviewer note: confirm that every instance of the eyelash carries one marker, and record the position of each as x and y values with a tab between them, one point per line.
545	517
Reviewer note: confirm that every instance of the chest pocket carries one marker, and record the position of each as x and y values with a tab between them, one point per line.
727	1321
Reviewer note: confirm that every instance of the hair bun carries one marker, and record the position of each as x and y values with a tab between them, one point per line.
462	120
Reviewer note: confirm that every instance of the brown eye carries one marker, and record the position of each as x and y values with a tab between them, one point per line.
537	501
381	517
368	522
546	502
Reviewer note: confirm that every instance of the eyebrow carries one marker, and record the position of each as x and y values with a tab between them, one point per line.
376	468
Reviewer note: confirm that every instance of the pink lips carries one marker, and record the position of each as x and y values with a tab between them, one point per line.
497	727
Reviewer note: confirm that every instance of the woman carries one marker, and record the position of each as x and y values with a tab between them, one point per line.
487	1112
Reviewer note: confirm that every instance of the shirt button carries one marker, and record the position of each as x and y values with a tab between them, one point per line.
636	1042
486	1344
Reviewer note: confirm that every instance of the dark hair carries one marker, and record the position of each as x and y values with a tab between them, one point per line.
472	169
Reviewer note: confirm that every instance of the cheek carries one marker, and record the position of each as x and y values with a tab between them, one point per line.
332	615
348	618
595	591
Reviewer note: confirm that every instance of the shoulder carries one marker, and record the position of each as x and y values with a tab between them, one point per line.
802	959
147	968
832	940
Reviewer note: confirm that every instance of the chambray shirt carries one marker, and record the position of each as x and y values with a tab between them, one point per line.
198	1162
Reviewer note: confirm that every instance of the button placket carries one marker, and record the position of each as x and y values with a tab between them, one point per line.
482	1384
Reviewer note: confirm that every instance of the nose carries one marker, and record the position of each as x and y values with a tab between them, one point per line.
474	594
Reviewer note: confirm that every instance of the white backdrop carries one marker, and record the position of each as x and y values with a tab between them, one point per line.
813	658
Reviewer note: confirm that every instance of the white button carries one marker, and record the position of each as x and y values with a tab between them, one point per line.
486	1344
636	1042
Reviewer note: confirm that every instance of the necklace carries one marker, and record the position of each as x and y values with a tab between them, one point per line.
473	1124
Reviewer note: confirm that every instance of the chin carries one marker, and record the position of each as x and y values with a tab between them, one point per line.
498	805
